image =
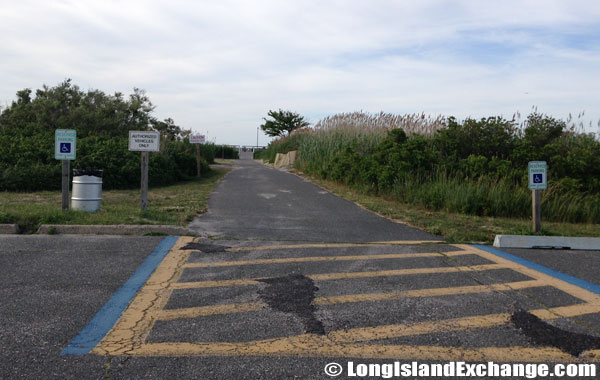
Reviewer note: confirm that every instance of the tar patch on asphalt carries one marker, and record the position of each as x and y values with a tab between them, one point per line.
293	294
544	334
206	247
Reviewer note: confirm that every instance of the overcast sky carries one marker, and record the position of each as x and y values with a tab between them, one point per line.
218	67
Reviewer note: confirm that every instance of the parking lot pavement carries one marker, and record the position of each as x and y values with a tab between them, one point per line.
234	309
51	287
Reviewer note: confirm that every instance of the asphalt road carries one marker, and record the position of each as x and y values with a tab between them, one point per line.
285	279
50	287
255	202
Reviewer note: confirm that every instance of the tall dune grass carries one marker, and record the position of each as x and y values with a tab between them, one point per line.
362	130
348	148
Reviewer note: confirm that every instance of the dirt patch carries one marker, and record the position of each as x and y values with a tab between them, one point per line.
544	334
293	294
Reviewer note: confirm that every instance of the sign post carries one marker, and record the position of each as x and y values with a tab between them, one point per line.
144	142
198	139
65	146
538	180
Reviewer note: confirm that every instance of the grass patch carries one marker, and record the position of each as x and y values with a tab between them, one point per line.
169	205
454	227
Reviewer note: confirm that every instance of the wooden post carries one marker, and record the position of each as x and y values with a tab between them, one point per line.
199	167
144	181
536	207
65	185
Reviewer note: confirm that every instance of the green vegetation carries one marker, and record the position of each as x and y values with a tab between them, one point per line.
171	205
454	227
102	123
283	123
474	167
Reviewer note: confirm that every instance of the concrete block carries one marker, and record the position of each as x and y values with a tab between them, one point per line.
524	241
9	229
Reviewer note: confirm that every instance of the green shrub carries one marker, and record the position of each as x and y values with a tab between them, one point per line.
102	123
475	167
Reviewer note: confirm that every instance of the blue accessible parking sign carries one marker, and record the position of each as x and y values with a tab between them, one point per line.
538	179
65	144
65	147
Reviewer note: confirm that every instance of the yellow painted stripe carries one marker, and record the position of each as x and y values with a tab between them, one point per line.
362	334
573	290
214	284
333	245
324	258
403	272
318	346
343	343
567	311
590	356
136	321
433	292
201	311
345	275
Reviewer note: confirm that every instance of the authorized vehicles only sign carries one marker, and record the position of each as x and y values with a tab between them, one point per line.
144	141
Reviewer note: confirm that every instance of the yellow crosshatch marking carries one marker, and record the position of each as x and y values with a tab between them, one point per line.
345	275
128	335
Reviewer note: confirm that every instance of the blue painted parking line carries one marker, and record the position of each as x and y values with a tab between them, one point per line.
104	320
540	268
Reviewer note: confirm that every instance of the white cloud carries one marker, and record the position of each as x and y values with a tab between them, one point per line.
221	65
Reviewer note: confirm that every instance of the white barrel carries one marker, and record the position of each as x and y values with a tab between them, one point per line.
87	193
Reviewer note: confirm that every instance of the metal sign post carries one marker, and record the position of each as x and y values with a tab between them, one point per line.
538	180
65	146
144	142
198	139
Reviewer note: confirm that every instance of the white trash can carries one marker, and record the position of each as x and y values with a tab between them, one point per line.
87	190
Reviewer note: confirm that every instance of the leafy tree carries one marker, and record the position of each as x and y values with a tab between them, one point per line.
102	122
168	130
282	122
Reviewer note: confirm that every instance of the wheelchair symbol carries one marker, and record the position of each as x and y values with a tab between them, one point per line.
537	178
65	147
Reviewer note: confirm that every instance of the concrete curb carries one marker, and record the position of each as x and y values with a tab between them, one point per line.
524	241
120	229
7	229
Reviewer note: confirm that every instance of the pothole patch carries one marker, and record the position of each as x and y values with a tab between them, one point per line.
206	247
293	294
544	334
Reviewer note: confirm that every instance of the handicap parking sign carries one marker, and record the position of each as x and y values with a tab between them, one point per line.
65	147
65	144
538	179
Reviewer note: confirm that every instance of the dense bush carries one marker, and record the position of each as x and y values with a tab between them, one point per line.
474	167
226	152
102	123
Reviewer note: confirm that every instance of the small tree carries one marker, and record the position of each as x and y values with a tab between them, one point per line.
283	121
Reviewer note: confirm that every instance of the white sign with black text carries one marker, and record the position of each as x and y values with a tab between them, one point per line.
197	139
144	141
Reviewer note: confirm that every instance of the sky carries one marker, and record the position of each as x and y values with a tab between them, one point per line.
218	67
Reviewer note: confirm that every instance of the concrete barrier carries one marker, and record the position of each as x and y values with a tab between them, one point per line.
285	160
9	229
524	241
